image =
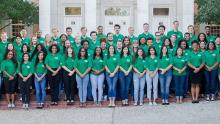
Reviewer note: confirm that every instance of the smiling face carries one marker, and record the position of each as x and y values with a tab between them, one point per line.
10	55
26	57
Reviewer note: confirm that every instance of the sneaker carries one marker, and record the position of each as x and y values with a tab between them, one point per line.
207	98
126	101
39	105
13	105
135	104
213	97
27	106
150	103
141	104
9	105
72	101
154	103
24	106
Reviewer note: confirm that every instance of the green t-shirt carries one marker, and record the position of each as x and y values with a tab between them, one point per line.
40	68
211	57
179	35
71	39
2	50
53	61
151	63
125	62
9	67
41	40
69	62
82	65
132	38
117	37
93	45
97	64
146	36
112	62
25	69
100	36
180	63
26	40
196	59
139	64
165	61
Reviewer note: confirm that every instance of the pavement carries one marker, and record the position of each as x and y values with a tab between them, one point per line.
186	113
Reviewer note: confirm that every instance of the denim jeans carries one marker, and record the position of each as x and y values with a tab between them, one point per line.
82	84
165	80
112	83
0	85
97	83
186	84
40	89
211	81
124	84
179	83
152	83
139	84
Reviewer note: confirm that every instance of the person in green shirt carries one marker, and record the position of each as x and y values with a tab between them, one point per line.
117	36
179	74
139	76
82	68
3	45
55	38
40	47
25	71
8	68
152	75
195	63
211	70
125	74
131	35
119	48
146	34
168	44
40	72
161	29
158	42
40	39
97	76
24	49
208	34
25	39
94	42
104	47
179	34
52	62
77	44
165	74
127	42
69	35
202	38
84	34
143	44
68	63
110	40
100	33
111	66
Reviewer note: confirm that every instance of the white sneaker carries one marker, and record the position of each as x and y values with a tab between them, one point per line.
135	104
13	105
213	97
9	105
150	103
207	98
141	103
24	106
27	106
154	103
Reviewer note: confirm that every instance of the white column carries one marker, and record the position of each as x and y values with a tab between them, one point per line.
142	14
44	16
90	15
188	14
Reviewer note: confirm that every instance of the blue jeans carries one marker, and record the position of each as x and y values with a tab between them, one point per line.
97	83
152	83
165	80
139	84
82	84
112	83
40	89
186	84
179	83
211	81
124	84
0	85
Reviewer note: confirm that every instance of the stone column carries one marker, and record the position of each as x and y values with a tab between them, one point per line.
90	15
44	16
188	14
142	14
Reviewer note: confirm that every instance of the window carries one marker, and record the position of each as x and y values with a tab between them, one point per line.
116	11
161	11
17	27
214	30
72	10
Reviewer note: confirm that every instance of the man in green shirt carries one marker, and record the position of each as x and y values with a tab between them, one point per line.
162	29
40	39
69	35
208	34
100	33
131	35
117	36
84	34
175	31
25	39
146	34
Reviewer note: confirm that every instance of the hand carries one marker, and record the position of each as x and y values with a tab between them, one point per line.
179	71
39	79
54	73
25	79
209	69
126	73
196	70
163	71
141	75
11	78
111	75
71	73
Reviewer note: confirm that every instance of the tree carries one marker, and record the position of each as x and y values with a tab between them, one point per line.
208	11
18	11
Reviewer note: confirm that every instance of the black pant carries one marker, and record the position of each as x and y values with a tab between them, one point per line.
25	90
69	83
9	85
54	82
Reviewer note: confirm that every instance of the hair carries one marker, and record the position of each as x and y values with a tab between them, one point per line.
161	26
204	36
43	49
145	24
175	21
195	41
54	45
136	55
93	32
177	49
28	48
109	33
99	27
128	39
122	54
64	36
108	56
103	39
161	52
170	45
22	61
140	40
13	58
83	41
117	25
82	28
37	59
66	53
68	28
182	40
151	47
209	45
79	53
101	54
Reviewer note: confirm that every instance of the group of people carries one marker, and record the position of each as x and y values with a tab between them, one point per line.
121	65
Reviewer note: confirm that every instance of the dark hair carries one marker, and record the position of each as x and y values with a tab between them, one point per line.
126	37
209	45
68	28
183	40
117	25
54	45
161	26
79	53
37	59
161	52
187	33
13	58
22	61
64	36
122	54
43	49
177	49
151	47
170	45
205	39
136	55
83	41
195	41
93	32
140	40
99	26
109	52
109	33
101	54
28	48
73	54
